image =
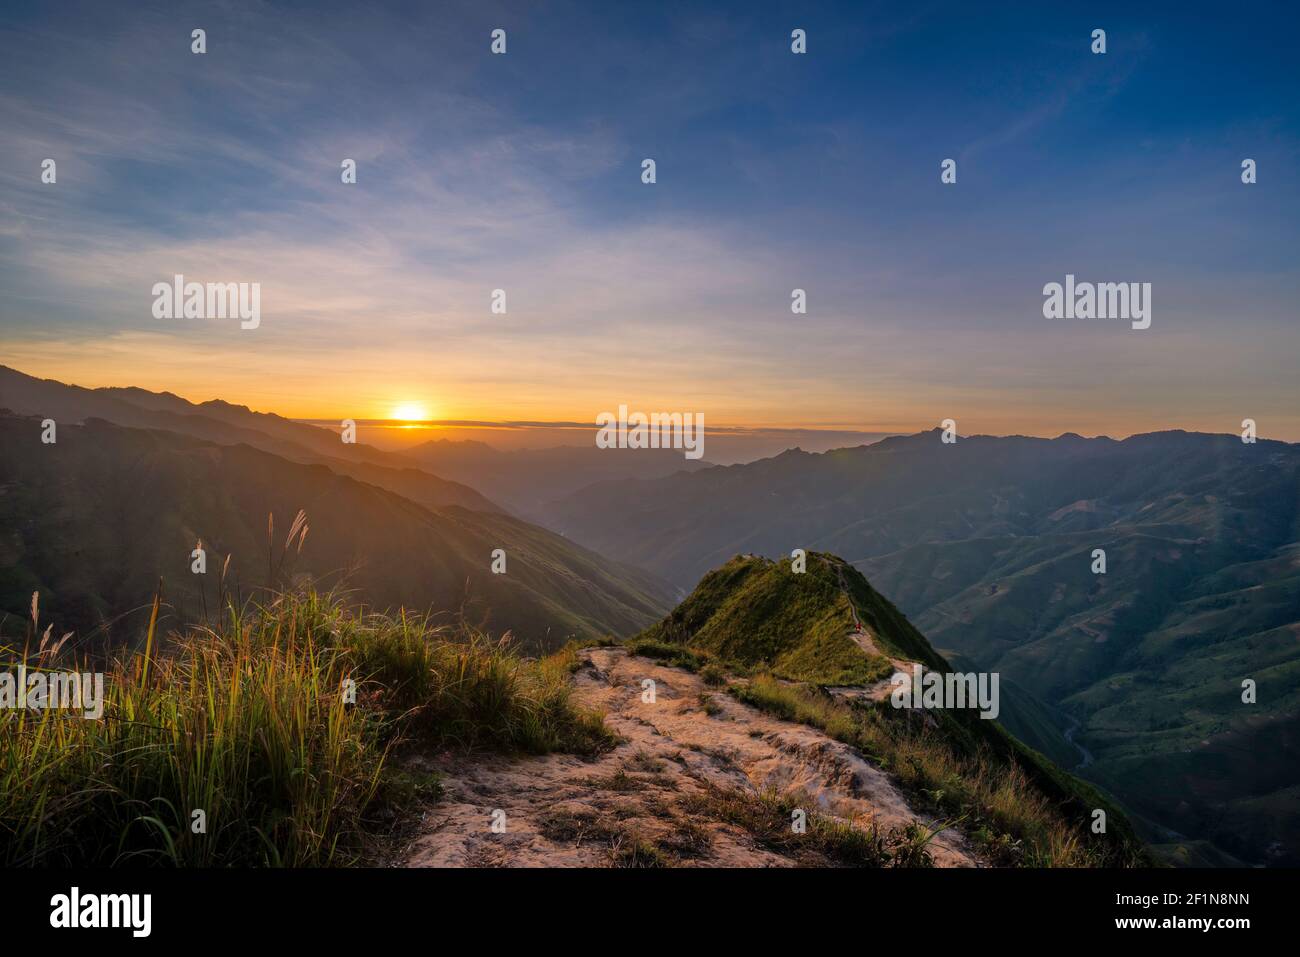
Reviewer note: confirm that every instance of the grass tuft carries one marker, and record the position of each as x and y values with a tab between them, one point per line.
248	722
769	819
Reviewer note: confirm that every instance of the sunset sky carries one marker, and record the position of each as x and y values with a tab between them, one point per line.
775	171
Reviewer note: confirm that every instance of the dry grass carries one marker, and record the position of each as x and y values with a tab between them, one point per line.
769	819
1011	819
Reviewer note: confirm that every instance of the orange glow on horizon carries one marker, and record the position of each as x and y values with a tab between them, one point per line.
376	391
410	412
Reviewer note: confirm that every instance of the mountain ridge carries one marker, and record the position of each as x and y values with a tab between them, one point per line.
777	627
49	398
94	519
988	545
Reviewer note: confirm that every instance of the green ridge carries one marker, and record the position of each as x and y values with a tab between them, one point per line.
755	614
754	611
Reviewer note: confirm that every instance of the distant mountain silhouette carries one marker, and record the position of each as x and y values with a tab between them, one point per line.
94	520
527	480
228	424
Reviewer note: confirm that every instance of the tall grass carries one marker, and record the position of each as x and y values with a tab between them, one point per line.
1010	816
249	723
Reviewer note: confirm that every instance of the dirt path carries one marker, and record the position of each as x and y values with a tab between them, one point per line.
561	810
862	637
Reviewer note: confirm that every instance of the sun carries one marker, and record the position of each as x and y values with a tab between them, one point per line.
410	412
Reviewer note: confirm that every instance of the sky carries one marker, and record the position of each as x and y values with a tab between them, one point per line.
775	171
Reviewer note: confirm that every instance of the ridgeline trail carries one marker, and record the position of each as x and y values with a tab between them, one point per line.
691	741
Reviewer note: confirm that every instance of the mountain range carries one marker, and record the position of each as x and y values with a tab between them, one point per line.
135	481
527	480
1126	592
989	545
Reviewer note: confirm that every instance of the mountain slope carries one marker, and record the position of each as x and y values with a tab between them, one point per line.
228	424
875	500
94	520
825	625
760	615
988	546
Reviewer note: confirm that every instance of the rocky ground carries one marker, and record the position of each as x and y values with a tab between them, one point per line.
661	797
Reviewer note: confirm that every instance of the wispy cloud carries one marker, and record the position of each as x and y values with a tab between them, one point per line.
521	173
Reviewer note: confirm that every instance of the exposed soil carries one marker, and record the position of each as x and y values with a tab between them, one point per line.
562	810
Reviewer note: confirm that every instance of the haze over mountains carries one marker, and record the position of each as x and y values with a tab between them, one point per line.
1134	675
987	545
433	473
528	480
228	424
95	519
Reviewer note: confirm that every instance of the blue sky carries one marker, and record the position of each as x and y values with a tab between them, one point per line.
775	171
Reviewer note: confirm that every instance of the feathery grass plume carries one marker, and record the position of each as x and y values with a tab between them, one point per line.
47	653
35	616
221	583
297	531
299	525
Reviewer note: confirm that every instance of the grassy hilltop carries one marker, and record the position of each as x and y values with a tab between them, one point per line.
787	634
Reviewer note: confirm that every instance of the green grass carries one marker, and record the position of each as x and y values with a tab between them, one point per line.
679	656
685	840
753	612
645	763
756	617
1019	809
248	723
714	675
620	781
624	846
708	705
